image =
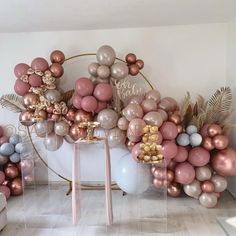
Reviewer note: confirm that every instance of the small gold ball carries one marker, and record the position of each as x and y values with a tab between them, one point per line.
147	158
154	158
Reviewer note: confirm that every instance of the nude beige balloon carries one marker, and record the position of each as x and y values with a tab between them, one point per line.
154	95
107	118
153	118
123	123
148	105
136	127
133	111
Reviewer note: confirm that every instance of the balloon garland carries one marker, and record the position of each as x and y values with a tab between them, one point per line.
190	136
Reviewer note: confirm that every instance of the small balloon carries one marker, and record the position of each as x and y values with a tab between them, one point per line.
132	111
89	104
133	69
138	99
169	130
175	118
195	139
191	129
92	69
21	88
213	130
136	127
183	139
106	55
14	139
15	157
208	200
35	80
40	64
169	149
204	129
174	189
11	171
84	87
153	118
7	149
193	189
136	151
57	70
3	160
57	56
119	70
61	128
103	72
208	144
70	115
184	173
182	154
103	92
53	142
43	128
123	123
21	69
116	137
199	156
6	191
148	105
207	186
82	116
16	187
140	64
130	58
220	183
77	133
53	95
220	142
154	95
203	173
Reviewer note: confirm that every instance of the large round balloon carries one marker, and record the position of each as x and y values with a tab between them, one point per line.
132	177
133	111
116	137
193	189
107	118
199	156
106	55
224	162
103	92
184	173
84	87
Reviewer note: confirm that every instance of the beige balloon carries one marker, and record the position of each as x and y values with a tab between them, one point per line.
132	111
106	55
116	137
203	173
148	105
219	182
61	128
53	142
53	95
43	128
119	70
103	72
107	118
208	200
136	127
153	118
193	189
92	69
154	95
123	123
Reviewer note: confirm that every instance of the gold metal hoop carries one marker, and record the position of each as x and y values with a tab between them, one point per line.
42	159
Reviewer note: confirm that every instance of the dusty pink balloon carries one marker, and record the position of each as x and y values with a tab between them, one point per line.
154	95
136	99
2	177
203	130
148	105
1	131
20	69
182	154
89	104
136	127
184	173
160	138
163	114
169	149
101	106
6	191
199	156
132	111
4	139
168	104
76	101
136	151
169	130
40	64
21	88
84	87
173	103
103	92
35	80
153	118
123	123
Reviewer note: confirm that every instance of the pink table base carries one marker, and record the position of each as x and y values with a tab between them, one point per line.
76	201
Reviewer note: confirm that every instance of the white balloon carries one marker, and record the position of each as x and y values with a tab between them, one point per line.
195	139
191	129
132	177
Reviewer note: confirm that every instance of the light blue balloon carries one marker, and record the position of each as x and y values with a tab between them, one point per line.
195	139
15	157
7	149
183	139
191	129
14	139
21	148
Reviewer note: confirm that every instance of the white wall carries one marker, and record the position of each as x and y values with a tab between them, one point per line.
178	59
231	81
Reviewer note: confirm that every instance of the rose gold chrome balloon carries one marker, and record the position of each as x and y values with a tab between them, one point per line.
220	141
130	58
30	99
83	116
174	189
76	133
26	118
207	144
207	186
70	115
213	130
175	118
16	187
157	183
57	70
57	57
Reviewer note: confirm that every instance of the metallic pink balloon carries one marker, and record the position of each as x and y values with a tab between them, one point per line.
169	130
57	70
182	154
153	118
84	87
132	111
35	80
224	162
89	104
2	177
136	151
184	173
101	106
163	114
203	130
220	141
199	156
20	69
40	64
158	183
160	173
21	88
154	95
148	105
213	130
208	187
76	101
169	149
136	99
103	92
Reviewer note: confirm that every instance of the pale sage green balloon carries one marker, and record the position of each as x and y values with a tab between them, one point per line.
106	55
107	118
219	182
61	128
43	128
3	160
103	72
208	200
193	189
92	69
53	142
119	70
53	95
116	137
203	173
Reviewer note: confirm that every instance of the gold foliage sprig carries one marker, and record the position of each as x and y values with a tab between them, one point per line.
216	110
12	102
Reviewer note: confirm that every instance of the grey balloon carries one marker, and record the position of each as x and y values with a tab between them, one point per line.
195	139
7	149
43	128
119	70
53	142
106	55
15	157
203	173
183	139
191	129
53	95
14	139
116	137
22	148
61	128
193	189
103	72
92	69
108	118
3	160
208	200
219	182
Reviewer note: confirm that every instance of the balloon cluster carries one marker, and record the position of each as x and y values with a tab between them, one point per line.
10	165
134	64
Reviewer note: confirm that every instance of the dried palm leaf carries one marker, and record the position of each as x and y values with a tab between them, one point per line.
67	95
12	102
202	104
188	116
195	109
185	105
116	102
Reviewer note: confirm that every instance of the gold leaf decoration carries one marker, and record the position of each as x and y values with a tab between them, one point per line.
67	95
12	102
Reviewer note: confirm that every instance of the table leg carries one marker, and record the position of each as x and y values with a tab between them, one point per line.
108	183
76	185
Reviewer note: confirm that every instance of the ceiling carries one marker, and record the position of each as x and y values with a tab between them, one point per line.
57	15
